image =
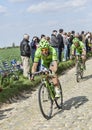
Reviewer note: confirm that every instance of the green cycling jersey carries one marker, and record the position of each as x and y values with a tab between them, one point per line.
46	60
78	49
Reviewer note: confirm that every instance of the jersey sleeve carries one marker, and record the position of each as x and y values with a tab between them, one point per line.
37	55
72	47
54	55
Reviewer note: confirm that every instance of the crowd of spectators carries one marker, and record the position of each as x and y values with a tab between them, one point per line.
60	40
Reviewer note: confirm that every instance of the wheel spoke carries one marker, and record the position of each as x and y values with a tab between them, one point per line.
45	102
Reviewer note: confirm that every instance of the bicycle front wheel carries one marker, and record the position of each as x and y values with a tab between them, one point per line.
82	71
78	72
59	101
45	101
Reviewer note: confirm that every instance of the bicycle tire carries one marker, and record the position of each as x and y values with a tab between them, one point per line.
77	72
81	74
45	101
82	71
59	101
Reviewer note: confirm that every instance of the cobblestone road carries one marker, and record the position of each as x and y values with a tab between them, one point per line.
77	113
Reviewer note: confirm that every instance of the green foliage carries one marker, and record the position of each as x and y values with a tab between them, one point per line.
89	54
14	87
10	53
64	66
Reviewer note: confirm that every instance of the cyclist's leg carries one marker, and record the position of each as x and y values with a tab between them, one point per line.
55	79
56	84
77	54
84	60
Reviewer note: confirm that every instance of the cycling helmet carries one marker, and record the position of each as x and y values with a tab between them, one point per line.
44	43
75	40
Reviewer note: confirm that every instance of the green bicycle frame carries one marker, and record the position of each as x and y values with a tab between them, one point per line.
50	87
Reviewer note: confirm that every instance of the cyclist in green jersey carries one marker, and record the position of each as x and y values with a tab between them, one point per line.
78	48
48	57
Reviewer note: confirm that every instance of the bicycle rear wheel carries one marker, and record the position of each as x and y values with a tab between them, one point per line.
59	101
45	101
81	74
82	71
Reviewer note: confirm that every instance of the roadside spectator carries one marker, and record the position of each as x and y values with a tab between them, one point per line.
25	55
60	44
34	45
87	42
43	36
72	37
54	40
83	36
48	39
66	42
69	45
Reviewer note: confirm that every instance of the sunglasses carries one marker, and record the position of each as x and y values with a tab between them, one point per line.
44	49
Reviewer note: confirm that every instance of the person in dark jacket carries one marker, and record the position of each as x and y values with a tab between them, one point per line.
61	44
34	45
54	40
25	54
72	36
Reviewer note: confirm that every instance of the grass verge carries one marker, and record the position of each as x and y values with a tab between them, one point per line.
18	86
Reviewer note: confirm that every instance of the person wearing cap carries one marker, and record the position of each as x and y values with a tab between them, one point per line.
25	55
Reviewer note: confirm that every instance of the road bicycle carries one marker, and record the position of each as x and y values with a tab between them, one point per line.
7	74
79	68
46	94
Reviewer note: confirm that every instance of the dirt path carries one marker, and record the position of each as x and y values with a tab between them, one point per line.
77	113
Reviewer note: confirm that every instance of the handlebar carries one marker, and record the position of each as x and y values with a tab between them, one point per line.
43	72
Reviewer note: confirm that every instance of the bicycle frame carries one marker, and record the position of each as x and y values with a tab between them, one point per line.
79	67
50	86
46	94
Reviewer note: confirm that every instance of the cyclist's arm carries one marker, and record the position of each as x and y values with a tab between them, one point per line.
36	60
84	51
83	48
54	65
34	67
